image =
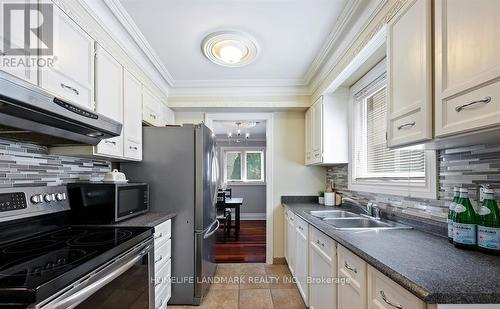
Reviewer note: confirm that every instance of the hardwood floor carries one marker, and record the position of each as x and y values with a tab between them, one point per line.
249	248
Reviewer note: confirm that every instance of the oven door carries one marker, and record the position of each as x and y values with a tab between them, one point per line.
126	282
131	200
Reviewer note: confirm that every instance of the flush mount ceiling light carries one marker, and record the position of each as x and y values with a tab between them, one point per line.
230	48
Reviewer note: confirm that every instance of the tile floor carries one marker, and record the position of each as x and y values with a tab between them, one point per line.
252	286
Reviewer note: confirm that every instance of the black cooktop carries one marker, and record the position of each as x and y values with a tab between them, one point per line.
33	268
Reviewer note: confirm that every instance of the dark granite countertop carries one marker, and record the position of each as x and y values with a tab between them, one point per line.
425	264
149	219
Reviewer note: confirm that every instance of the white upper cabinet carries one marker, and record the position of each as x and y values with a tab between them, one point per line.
152	113
16	41
132	120
467	49
409	72
326	130
71	77
109	98
168	115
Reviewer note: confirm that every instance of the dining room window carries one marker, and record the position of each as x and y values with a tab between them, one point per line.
245	166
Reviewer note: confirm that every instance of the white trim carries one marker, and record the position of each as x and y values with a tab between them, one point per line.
253	216
128	23
269	118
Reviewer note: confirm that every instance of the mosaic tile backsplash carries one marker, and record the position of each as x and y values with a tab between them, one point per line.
456	167
24	165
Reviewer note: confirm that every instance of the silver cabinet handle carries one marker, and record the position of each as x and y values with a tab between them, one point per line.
353	269
159	236
486	100
159	259
384	298
133	147
152	116
409	124
70	88
158	282
110	142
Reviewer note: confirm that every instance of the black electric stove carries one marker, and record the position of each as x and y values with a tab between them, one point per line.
41	256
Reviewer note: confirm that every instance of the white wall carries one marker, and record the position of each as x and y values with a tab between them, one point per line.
291	176
189	117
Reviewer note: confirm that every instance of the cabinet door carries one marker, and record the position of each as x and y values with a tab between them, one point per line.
317	136
168	115
71	76
151	108
409	72
132	120
291	242
351	295
383	293
109	98
322	265
302	257
9	63
467	89
308	136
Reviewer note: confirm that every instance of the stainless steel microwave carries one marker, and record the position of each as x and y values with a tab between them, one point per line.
107	202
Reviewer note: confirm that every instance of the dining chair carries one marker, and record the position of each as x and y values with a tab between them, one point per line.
223	214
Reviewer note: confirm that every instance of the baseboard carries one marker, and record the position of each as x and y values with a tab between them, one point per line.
253	216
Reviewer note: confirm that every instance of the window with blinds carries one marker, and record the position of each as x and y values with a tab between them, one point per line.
373	160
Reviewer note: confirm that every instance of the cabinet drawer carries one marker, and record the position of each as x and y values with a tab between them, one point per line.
162	278
407	129
162	254
353	267
323	243
151	116
385	293
132	150
111	147
68	90
474	110
162	298
162	233
301	225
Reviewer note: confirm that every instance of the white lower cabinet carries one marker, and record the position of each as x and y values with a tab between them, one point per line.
383	293
162	264
290	242
353	294
322	270
302	257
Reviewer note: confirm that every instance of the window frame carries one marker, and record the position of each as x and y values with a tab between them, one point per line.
243	151
392	186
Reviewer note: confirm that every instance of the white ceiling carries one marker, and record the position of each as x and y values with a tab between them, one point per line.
223	127
291	33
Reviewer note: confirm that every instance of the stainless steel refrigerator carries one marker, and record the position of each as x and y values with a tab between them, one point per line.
180	165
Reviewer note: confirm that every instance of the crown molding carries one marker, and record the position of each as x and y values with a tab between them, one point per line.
128	23
240	83
348	13
363	20
236	89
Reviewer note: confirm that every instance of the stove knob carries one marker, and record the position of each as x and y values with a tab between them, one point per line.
48	198
35	199
59	196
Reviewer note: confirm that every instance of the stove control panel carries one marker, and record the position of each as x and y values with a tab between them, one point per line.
16	203
12	201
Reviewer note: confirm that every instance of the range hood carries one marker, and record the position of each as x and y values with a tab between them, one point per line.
28	113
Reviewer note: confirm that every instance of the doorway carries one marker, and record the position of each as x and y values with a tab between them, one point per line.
244	150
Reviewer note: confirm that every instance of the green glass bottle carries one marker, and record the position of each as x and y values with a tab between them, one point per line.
451	213
488	224
465	228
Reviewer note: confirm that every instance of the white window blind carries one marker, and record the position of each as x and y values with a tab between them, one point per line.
373	160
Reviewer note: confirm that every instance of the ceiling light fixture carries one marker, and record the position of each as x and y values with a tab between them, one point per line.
230	48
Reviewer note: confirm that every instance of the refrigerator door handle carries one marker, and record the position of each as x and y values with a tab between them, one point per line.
211	231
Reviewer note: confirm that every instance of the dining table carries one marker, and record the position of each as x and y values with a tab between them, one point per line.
236	203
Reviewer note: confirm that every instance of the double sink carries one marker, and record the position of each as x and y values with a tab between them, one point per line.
345	220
